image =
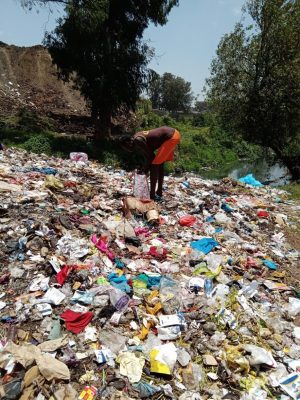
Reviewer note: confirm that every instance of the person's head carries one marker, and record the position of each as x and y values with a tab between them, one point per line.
126	142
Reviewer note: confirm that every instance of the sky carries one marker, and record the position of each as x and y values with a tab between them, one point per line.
185	46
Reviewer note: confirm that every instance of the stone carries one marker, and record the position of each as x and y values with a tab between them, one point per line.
183	357
210	360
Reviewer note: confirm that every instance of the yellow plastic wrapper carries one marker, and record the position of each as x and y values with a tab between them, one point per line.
154	310
152	296
139	284
203	270
86	190
157	366
163	359
145	331
53	183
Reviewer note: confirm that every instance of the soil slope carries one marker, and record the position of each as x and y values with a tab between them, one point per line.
29	79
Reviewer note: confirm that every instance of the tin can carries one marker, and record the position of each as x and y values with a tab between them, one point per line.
208	287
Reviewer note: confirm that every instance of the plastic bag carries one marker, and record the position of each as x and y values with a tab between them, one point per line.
187	220
169	295
76	156
163	359
119	299
141	187
205	245
250	180
293	307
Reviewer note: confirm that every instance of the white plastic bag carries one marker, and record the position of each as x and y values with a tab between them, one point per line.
77	156
141	187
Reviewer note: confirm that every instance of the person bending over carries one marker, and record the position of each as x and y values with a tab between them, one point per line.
156	146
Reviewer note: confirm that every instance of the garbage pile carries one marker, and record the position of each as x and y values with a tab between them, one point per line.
106	296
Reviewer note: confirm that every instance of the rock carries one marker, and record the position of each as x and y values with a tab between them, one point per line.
21	334
210	327
183	357
209	360
44	251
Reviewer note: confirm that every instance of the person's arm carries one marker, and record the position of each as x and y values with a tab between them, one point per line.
141	146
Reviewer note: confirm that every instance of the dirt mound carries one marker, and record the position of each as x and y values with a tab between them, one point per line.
29	79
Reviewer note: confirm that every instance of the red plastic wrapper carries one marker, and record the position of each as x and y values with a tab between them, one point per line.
158	252
75	321
187	220
63	274
263	214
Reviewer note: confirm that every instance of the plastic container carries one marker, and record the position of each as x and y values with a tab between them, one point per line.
208	287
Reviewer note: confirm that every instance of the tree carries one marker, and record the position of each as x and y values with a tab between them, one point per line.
200	106
169	92
99	44
30	4
176	93
154	89
255	79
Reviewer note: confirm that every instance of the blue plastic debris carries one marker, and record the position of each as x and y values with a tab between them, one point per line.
204	245
270	264
226	208
250	180
145	389
119	263
45	170
119	282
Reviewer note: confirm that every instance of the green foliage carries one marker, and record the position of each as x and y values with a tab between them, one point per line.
200	147
148	119
169	92
30	121
154	89
99	44
200	106
38	144
198	120
168	121
255	79
293	189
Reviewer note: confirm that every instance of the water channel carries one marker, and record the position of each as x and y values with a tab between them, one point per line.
272	174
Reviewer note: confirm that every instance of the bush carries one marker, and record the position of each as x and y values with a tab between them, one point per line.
198	120
168	121
29	121
150	121
38	144
200	139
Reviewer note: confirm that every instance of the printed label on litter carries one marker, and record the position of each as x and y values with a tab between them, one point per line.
291	385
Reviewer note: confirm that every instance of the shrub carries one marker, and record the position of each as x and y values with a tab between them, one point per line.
29	121
38	144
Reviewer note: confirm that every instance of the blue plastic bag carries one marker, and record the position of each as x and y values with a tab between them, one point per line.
270	264
250	180
204	245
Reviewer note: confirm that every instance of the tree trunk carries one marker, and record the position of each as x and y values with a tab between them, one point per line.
102	126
